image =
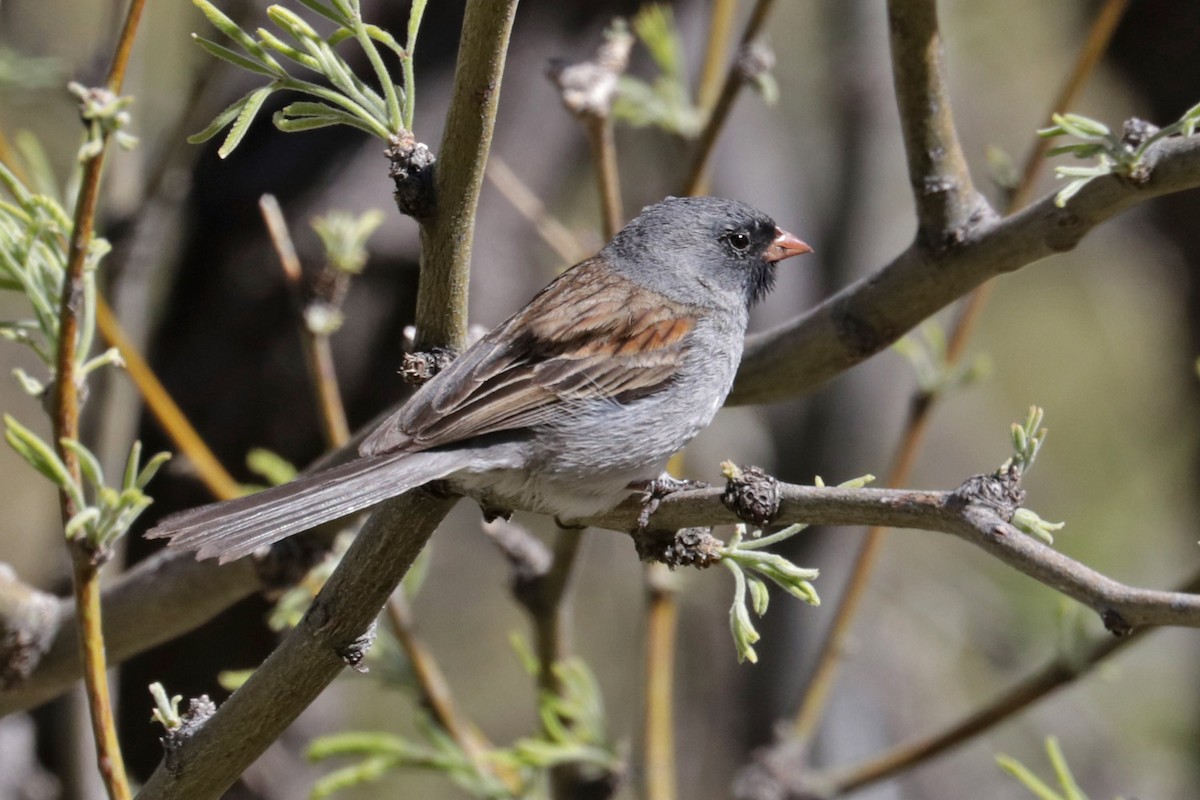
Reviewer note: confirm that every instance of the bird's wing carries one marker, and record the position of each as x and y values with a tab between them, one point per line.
591	334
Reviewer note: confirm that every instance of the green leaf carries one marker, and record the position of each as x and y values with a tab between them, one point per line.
129	478
230	28
1082	127
89	465
218	124
237	59
370	769
1027	779
79	524
292	23
151	469
378	34
249	110
286	50
1189	120
40	456
327	12
759	596
291	125
274	468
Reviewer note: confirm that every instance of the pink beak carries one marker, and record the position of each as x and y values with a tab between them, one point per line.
784	246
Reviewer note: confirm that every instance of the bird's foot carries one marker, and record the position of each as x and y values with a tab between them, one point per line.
656	490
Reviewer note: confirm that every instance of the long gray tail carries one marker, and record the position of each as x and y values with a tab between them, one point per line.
235	528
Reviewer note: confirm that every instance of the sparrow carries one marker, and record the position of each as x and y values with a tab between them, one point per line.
567	407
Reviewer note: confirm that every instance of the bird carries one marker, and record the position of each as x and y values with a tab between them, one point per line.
566	408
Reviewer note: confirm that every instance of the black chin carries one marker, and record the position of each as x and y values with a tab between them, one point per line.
761	280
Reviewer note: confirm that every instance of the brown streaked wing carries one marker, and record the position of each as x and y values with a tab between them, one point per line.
591	333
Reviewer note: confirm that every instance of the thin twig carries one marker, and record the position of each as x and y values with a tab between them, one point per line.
85	557
716	52
317	353
558	237
549	615
587	90
662	621
735	79
1123	608
946	200
435	689
604	158
922	403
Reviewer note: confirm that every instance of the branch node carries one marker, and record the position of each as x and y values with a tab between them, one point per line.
998	492
412	165
754	61
687	547
751	493
587	88
28	622
198	712
355	653
417	368
1116	624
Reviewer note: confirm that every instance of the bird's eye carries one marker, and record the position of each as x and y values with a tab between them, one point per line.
738	240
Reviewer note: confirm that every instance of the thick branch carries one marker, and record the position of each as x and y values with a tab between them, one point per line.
328	637
161	599
870	315
947	203
446	238
958	513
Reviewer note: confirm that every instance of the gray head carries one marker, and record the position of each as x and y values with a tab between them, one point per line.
690	247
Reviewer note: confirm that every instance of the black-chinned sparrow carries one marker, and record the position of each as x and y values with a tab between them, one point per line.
566	407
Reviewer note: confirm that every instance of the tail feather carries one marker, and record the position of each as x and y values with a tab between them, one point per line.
235	528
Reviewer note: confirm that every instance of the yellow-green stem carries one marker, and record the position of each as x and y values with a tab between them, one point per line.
86	556
662	620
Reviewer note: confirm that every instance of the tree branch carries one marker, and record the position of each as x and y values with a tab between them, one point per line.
446	238
333	633
947	203
964	513
871	314
160	599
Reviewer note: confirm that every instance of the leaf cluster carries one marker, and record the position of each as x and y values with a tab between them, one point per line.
1113	154
347	99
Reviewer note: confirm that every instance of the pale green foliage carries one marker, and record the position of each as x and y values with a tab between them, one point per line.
34	236
344	237
573	731
744	558
347	100
1112	153
666	101
1027	440
104	114
1067	789
926	350
166	709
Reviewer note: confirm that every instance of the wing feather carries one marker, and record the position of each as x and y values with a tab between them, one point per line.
591	334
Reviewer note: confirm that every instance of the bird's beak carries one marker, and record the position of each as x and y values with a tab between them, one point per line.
785	245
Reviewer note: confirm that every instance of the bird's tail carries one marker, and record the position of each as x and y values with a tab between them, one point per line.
235	528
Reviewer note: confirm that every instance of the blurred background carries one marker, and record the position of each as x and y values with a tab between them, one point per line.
1105	338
